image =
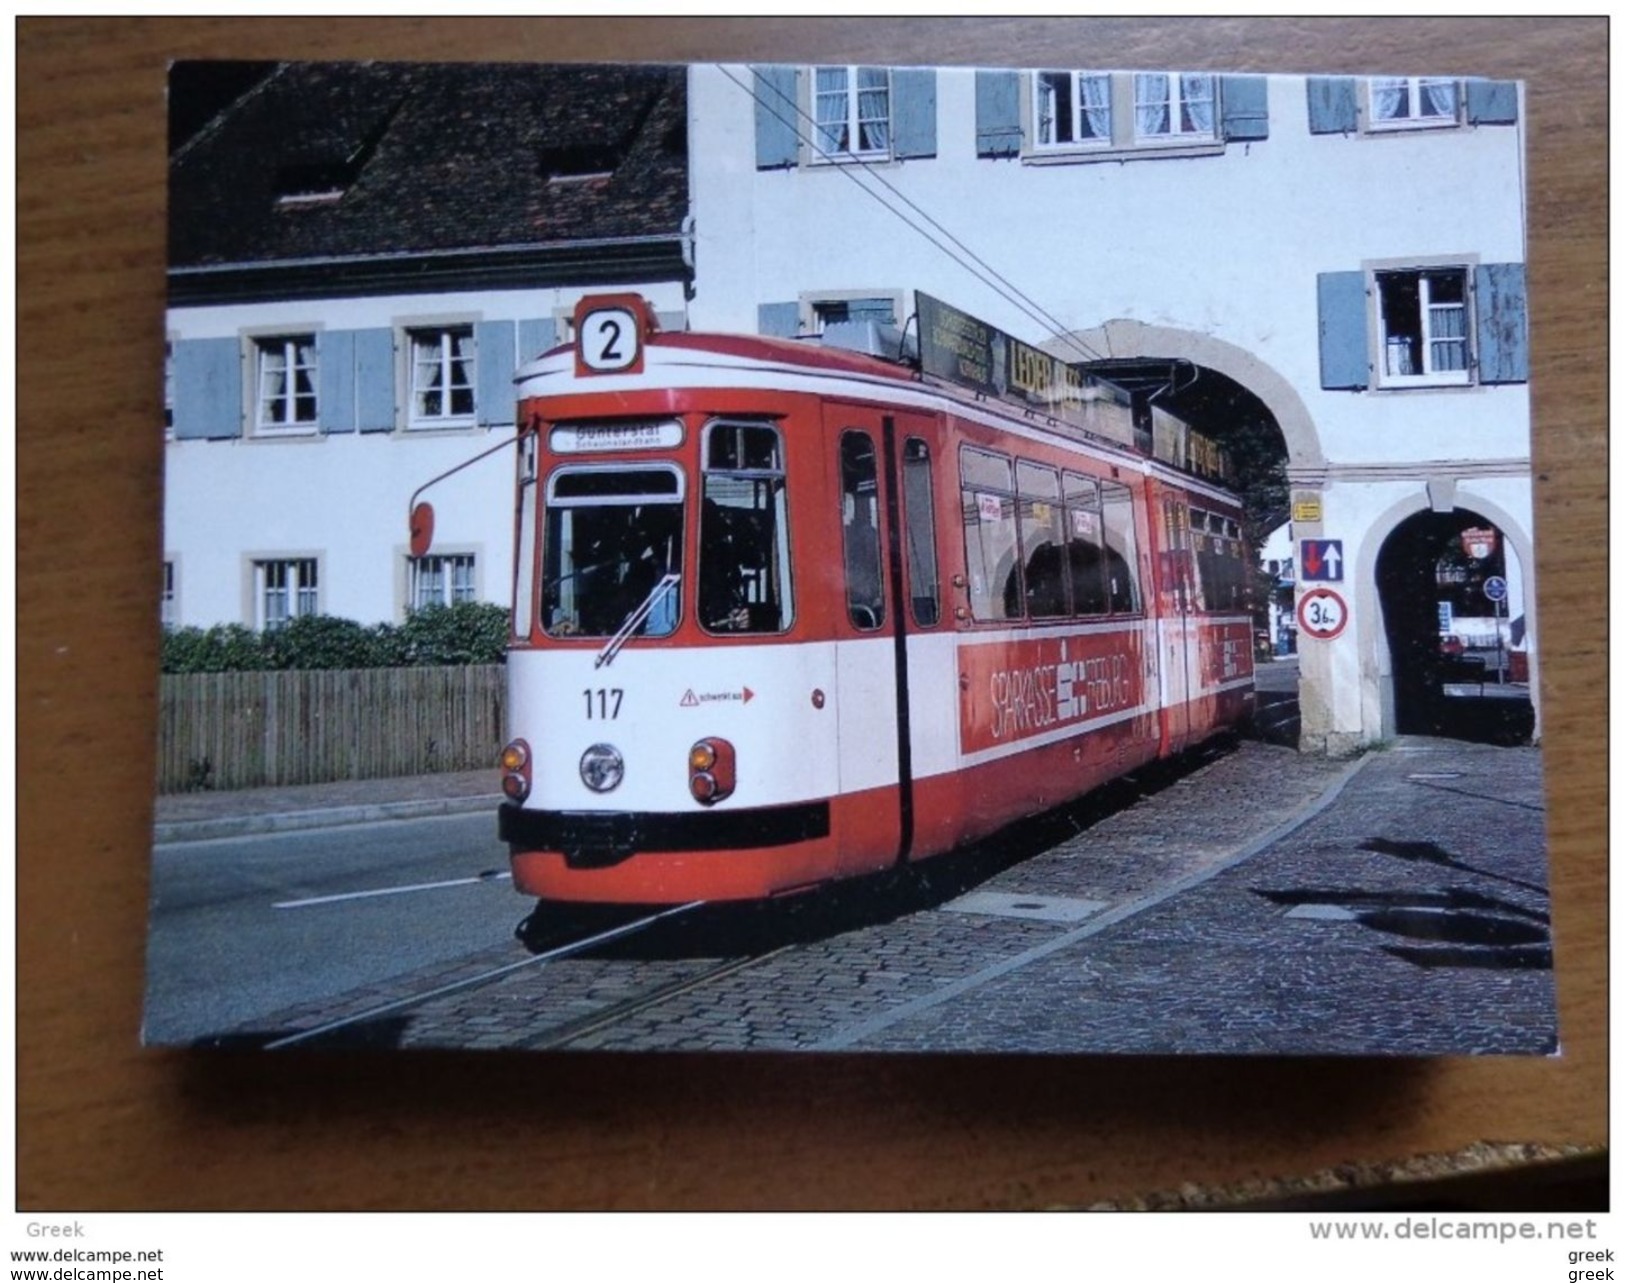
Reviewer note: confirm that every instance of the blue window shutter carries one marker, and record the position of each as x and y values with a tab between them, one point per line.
493	380
335	386
1503	323
777	138
1334	105
998	113
1344	351
914	112
1492	102
1245	104
208	389
536	337
375	380
781	320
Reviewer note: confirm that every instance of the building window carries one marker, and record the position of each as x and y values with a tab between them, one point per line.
286	379
442	378
1409	102
1422	326
1173	106
166	599
851	112
1072	109
169	391
439	581
833	311
284	590
1092	116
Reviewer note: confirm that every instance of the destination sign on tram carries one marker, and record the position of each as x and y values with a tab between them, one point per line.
584	438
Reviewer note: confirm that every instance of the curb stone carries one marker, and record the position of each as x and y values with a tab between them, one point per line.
181	831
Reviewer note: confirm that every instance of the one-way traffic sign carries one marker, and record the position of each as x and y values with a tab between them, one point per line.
1321	560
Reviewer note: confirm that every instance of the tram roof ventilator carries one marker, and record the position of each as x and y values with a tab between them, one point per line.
873	338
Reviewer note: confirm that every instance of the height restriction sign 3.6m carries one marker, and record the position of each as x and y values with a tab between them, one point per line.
1322	613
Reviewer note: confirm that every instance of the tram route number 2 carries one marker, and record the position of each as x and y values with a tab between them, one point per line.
603	704
1322	614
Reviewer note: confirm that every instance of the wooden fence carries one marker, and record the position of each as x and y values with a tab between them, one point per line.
244	730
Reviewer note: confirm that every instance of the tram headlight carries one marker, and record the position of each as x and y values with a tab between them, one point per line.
516	771
602	767
711	770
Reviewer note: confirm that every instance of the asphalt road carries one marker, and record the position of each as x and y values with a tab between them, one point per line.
242	926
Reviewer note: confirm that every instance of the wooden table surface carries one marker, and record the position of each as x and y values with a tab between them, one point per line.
103	1124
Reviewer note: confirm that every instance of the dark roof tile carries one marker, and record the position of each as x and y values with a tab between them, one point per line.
334	160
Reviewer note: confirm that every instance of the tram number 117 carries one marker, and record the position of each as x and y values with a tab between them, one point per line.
608	703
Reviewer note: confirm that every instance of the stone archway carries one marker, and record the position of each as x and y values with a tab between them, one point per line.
1301	690
1135	339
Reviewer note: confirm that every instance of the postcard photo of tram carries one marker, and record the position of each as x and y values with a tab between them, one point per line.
847	558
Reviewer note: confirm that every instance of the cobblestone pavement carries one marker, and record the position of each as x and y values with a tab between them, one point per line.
1207	911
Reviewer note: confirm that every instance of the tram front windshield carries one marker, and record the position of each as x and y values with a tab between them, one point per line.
612	537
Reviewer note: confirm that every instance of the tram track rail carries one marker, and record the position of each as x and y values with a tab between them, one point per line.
479	980
594	1022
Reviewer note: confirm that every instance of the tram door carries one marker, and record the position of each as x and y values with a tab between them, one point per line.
1177	629
865	569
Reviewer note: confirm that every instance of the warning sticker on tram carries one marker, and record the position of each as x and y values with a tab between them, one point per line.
743	695
1322	614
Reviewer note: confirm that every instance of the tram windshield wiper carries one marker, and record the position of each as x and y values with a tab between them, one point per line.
629	625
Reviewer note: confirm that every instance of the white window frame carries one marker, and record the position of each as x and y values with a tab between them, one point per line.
286	346
1074	108
303	598
852	120
1126	141
1177	101
447	596
1427	376
1415	97
169	387
441	337
813	304
169	598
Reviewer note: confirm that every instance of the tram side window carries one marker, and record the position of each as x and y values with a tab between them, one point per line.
1122	557
860	531
1085	549
1219	564
920	531
992	553
745	584
1042	541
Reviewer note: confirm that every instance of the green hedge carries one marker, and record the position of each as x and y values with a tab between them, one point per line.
467	633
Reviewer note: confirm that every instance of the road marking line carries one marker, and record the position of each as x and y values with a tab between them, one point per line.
874	1024
416	886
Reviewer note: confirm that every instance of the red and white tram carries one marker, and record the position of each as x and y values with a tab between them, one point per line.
786	614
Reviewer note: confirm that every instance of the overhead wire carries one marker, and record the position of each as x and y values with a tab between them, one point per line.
977	266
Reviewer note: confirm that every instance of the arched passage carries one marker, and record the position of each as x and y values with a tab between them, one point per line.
1258	415
1451	606
1123	339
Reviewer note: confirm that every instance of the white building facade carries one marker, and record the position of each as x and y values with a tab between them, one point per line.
1350	251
